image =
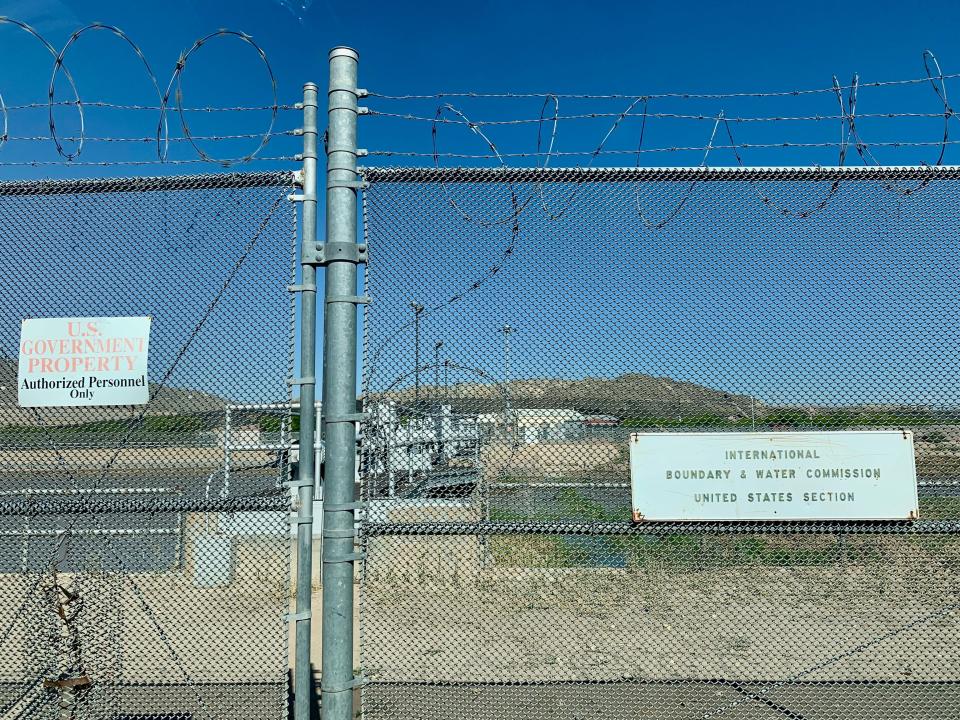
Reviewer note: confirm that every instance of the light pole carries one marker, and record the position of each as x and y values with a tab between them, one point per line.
436	366
507	331
417	309
435	402
446	380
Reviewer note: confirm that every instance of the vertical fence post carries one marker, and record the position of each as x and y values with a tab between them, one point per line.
342	254
303	677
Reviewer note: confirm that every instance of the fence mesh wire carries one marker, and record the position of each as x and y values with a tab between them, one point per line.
525	322
144	550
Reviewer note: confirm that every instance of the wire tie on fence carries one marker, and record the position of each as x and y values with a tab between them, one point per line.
296	197
349	557
308	380
301	288
357	681
298	616
297	519
336	507
354	299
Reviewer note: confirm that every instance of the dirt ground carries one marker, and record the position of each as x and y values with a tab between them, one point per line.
502	461
829	623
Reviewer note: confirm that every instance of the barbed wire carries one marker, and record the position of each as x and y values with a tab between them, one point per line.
211	138
663	149
170	98
122	106
850	136
652	116
110	163
652	96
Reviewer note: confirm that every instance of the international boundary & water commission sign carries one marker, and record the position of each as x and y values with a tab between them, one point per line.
848	475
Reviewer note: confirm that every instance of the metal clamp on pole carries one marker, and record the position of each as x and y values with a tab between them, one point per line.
357	681
345	558
351	252
352	299
348	533
309	380
356	505
350	184
347	418
298	483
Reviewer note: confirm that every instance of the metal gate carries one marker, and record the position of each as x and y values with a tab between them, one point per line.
525	321
144	550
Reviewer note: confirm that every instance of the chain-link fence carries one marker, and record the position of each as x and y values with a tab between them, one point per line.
525	322
144	550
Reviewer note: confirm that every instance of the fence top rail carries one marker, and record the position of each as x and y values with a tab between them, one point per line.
209	181
662	174
34	507
597	528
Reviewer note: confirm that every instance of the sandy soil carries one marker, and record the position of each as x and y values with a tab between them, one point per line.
503	460
890	621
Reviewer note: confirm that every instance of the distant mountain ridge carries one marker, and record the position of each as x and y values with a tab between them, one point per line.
629	395
171	401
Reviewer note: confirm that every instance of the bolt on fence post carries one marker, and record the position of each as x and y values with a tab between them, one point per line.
306	466
340	388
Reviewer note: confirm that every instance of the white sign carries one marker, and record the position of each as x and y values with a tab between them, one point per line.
83	361
856	475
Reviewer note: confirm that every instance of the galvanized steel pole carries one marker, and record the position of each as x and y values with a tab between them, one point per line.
341	257
307	471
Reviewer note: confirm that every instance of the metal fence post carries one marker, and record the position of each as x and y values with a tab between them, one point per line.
341	256
303	677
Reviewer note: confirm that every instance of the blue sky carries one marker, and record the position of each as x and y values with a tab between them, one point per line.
626	48
617	47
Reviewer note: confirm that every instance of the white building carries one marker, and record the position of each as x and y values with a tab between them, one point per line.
400	442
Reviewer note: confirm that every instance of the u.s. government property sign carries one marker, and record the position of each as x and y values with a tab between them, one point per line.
868	475
68	362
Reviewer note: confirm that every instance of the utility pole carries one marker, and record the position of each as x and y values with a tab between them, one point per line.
507	331
417	309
